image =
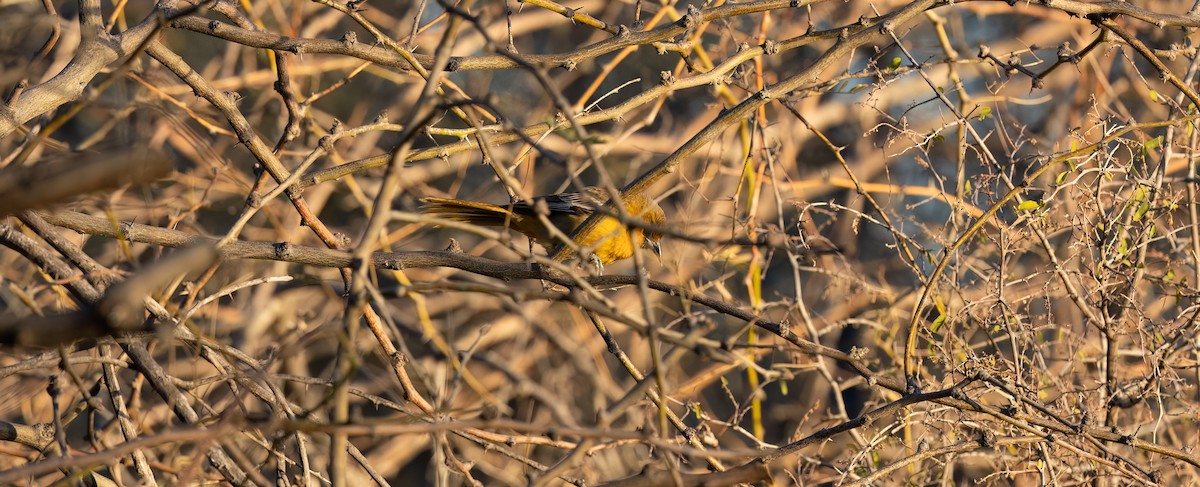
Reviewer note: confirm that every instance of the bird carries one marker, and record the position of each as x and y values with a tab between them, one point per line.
609	240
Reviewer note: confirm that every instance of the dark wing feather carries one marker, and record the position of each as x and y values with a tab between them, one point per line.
561	203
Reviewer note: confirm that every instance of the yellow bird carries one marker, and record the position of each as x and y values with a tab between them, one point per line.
609	241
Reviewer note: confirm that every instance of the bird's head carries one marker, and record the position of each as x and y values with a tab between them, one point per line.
653	214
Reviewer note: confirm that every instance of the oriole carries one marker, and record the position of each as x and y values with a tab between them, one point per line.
609	241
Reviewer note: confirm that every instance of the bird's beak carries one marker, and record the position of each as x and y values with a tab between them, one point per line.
653	246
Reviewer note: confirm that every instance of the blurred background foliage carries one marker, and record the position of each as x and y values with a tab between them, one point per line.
1043	152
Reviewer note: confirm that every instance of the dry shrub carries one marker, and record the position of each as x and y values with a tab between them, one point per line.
908	243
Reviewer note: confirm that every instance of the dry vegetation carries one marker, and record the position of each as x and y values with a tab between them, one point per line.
910	243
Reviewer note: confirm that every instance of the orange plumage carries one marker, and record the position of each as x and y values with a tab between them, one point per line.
609	241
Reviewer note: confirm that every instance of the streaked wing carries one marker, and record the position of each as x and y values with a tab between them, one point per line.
561	203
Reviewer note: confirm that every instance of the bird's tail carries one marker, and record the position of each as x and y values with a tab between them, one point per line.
475	213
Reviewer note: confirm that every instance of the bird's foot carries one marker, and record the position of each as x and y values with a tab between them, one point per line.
598	263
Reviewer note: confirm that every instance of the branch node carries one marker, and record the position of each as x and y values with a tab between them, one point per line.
283	250
254	200
1065	54
987	438
770	47
666	78
692	18
127	230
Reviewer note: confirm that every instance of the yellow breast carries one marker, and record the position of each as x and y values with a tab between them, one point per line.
610	240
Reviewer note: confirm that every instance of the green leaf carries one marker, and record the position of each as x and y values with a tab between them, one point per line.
896	61
985	112
1152	144
1154	96
941	318
1029	205
1061	178
937	323
1143	206
934	137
